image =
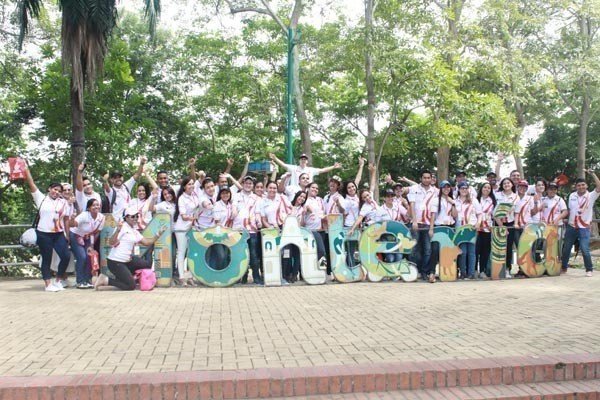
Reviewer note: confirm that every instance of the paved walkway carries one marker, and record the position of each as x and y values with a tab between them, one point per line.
184	329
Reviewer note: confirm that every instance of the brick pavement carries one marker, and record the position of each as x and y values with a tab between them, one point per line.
87	332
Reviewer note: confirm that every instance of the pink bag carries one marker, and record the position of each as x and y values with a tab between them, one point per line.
146	278
17	168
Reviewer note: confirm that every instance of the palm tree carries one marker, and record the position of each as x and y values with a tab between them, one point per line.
86	27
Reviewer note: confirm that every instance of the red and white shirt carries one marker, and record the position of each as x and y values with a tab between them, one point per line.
487	209
511	199
275	210
223	213
331	205
523	208
422	199
581	208
371	212
52	212
468	212
444	216
315	211
553	207
248	217
351	207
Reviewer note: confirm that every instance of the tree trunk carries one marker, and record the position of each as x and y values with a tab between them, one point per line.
78	129
582	137
443	162
370	88
300	111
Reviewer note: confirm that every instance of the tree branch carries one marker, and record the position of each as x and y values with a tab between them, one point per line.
275	17
296	13
354	125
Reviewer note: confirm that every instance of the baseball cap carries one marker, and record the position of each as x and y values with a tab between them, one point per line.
303	155
523	182
444	183
463	184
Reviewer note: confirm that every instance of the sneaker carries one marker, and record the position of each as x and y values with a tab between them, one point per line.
322	263
284	282
588	274
58	285
101	280
88	285
66	283
482	275
52	288
508	275
259	281
470	277
432	278
81	286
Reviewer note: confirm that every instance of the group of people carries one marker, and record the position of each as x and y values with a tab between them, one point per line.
73	219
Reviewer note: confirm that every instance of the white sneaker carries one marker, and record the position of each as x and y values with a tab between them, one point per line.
508	275
284	282
101	280
58	285
482	275
66	283
52	288
588	274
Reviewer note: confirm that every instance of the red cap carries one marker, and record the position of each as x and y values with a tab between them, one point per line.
523	182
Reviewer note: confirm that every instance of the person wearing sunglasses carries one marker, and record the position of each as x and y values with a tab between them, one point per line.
121	261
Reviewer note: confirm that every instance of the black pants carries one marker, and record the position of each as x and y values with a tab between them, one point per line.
483	249
510	242
291	265
123	272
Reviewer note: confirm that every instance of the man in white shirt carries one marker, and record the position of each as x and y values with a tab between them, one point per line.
422	198
119	193
302	168
84	190
581	212
460	177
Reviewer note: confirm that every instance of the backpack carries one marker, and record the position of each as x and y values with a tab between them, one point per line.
107	206
147	279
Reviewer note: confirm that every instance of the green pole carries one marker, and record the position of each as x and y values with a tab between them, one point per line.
289	139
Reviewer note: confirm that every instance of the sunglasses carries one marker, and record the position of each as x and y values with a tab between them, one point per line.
136	216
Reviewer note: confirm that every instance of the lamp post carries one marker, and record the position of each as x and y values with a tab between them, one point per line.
289	138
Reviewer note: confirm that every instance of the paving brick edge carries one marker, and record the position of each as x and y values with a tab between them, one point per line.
303	381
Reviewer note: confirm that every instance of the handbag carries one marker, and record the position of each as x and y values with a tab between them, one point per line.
29	237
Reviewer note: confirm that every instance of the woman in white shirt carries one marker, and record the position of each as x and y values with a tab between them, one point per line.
275	207
121	261
224	211
185	215
483	247
445	216
84	232
469	213
53	216
507	195
313	220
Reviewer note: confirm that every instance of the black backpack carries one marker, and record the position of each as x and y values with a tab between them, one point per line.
107	206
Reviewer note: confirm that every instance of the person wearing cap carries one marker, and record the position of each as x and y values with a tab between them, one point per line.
422	201
459	177
515	177
119	193
509	197
186	210
296	170
581	212
492	179
483	247
50	227
121	261
84	190
468	212
334	201
554	208
247	204
445	215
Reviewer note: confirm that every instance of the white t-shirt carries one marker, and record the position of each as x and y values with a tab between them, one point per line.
371	212
166	207
206	215
87	224
127	239
123	198
444	216
296	171
313	219
188	205
331	206
143	209
552	208
423	201
275	210
351	207
82	199
52	212
467	212
581	208
223	213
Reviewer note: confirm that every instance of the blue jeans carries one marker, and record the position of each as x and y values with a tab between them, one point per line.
467	260
254	247
422	251
80	253
571	236
57	242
